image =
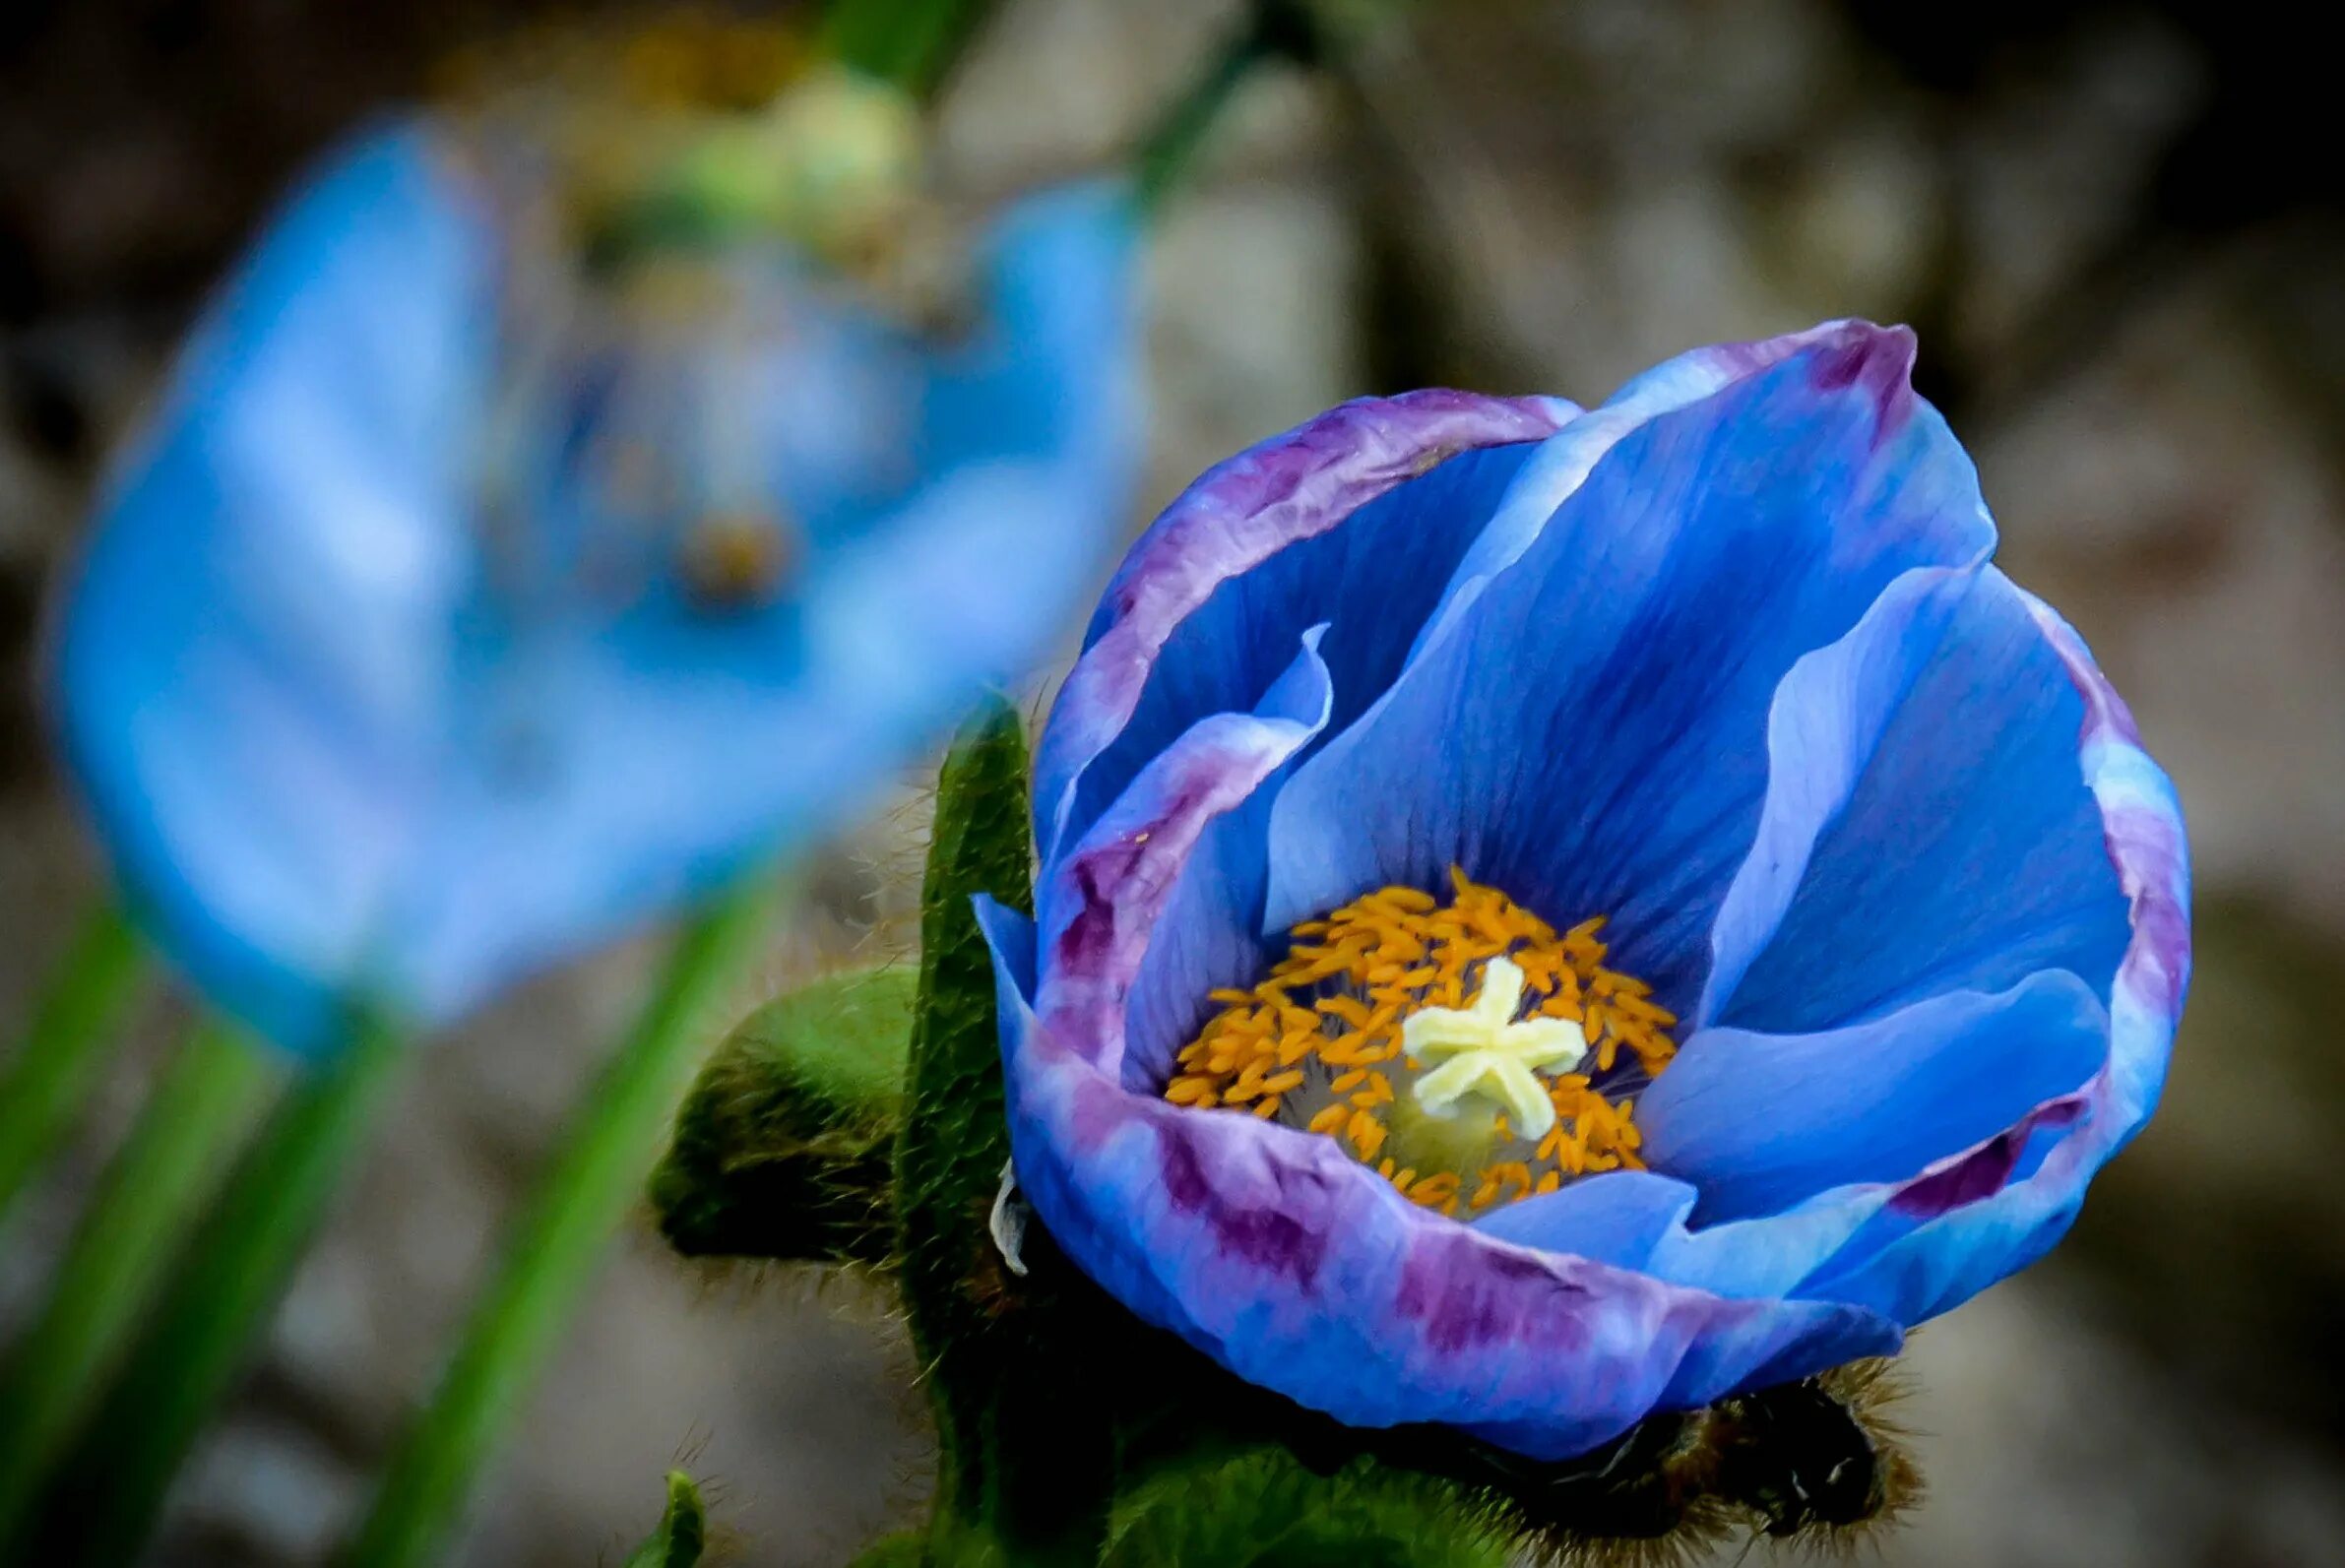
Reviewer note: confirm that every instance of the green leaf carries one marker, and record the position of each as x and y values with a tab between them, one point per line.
682	1532
66	1045
784	1147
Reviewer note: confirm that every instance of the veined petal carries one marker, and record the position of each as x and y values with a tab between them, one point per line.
1995	1209
1759	1123
1587	730
1916	1247
1354	518
1943	841
1271	1251
1861	351
1823	729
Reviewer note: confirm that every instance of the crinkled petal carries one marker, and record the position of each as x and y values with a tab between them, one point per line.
1273	1252
1104	905
1587	730
1943	841
1356	518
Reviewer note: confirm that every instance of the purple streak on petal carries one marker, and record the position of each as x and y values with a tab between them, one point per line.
1762	1122
1984	1171
1099	906
2148	844
1881	363
1911	1267
1272	1251
1239	514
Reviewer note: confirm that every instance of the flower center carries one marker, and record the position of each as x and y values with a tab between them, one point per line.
1464	1049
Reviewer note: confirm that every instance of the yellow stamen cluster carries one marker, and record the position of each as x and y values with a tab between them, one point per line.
1319	1042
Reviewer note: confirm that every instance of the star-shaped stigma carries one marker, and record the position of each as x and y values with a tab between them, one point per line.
1486	1050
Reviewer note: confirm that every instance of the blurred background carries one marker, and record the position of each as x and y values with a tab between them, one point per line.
2114	229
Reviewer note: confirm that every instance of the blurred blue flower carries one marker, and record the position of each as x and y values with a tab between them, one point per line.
461	607
1551	916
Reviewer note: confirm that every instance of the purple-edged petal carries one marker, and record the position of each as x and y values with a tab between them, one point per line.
1965	852
1759	1123
1916	1247
1563	466
1995	1209
1587	730
1273	1252
1100	907
1356	517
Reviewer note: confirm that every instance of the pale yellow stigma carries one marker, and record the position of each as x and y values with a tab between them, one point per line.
1486	1050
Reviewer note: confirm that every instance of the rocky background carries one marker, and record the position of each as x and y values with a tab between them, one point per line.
2114	228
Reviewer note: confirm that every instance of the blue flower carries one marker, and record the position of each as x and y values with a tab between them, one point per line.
1548	916
445	622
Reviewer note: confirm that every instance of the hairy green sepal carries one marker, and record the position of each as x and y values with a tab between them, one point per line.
785	1146
682	1532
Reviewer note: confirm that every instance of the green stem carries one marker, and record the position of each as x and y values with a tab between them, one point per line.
562	1230
66	1046
196	1113
909	42
1271	30
110	1488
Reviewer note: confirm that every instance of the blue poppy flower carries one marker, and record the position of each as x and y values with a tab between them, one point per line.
442	623
1549	916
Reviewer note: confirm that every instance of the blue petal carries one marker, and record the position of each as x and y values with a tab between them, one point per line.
1372	579
1760	1122
1319	511
1586	732
1103	906
1914	1261
1823	729
344	737
1273	1252
1969	852
687	746
241	672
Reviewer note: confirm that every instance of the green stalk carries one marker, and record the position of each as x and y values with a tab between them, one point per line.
66	1046
909	42
1271	30
563	1228
110	1488
196	1113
